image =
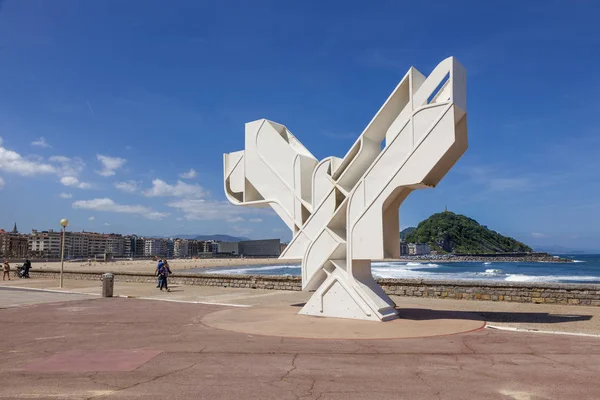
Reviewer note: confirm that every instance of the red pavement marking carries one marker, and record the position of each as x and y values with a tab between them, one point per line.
93	361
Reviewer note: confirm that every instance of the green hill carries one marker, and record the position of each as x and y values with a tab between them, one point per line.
455	233
404	232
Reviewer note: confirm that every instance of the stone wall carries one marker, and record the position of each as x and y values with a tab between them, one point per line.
549	293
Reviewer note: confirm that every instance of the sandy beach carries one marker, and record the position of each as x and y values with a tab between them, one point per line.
150	265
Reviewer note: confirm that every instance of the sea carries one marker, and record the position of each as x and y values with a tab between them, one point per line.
584	269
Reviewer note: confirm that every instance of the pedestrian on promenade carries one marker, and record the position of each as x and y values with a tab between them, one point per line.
5	270
164	272
158	272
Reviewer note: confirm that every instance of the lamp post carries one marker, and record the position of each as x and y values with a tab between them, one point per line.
64	223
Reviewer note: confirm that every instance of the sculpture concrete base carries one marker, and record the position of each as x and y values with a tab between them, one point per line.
415	321
354	297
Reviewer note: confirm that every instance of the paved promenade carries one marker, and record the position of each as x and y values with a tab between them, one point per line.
82	346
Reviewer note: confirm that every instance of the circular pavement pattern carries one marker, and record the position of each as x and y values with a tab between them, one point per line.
286	322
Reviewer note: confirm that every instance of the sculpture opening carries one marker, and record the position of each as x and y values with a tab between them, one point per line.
343	213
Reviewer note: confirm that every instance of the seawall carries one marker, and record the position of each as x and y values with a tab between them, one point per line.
521	292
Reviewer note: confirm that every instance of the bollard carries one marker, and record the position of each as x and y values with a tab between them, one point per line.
108	281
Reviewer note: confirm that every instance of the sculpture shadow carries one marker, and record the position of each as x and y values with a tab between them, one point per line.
423	314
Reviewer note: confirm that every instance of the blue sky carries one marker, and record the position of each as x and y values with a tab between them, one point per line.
107	106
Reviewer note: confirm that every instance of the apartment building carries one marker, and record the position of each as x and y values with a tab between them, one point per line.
77	245
115	245
13	245
127	243
97	246
193	248
170	248
181	248
45	244
155	247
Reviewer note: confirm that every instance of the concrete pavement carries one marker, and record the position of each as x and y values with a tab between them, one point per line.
63	350
544	317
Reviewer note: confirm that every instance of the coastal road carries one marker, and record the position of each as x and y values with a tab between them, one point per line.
117	348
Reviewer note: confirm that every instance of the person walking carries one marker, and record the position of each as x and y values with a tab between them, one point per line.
5	270
158	272
164	273
26	268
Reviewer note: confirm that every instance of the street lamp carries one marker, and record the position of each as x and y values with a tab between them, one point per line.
64	223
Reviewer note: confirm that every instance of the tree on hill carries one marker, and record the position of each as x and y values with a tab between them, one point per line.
455	233
404	232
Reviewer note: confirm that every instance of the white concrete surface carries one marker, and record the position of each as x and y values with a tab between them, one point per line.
344	212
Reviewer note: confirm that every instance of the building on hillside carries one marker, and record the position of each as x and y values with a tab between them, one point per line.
45	244
232	248
13	245
403	248
181	248
115	245
260	248
418	249
155	247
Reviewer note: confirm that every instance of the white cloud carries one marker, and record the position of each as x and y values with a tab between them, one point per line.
41	142
255	220
109	164
108	205
91	218
68	166
65	195
2	183
106	224
13	162
189	175
71	181
200	209
538	235
235	219
127	187
61	166
180	189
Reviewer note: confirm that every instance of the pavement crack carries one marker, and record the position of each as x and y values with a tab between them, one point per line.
148	380
292	369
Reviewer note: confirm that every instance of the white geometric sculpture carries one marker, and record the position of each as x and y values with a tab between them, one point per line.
344	212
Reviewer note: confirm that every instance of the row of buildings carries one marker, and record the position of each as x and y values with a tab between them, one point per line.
47	244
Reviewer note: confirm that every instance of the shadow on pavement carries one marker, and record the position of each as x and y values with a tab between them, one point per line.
420	314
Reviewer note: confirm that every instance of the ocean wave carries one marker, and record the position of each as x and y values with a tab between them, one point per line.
486	263
491	272
550	278
578	261
413	264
